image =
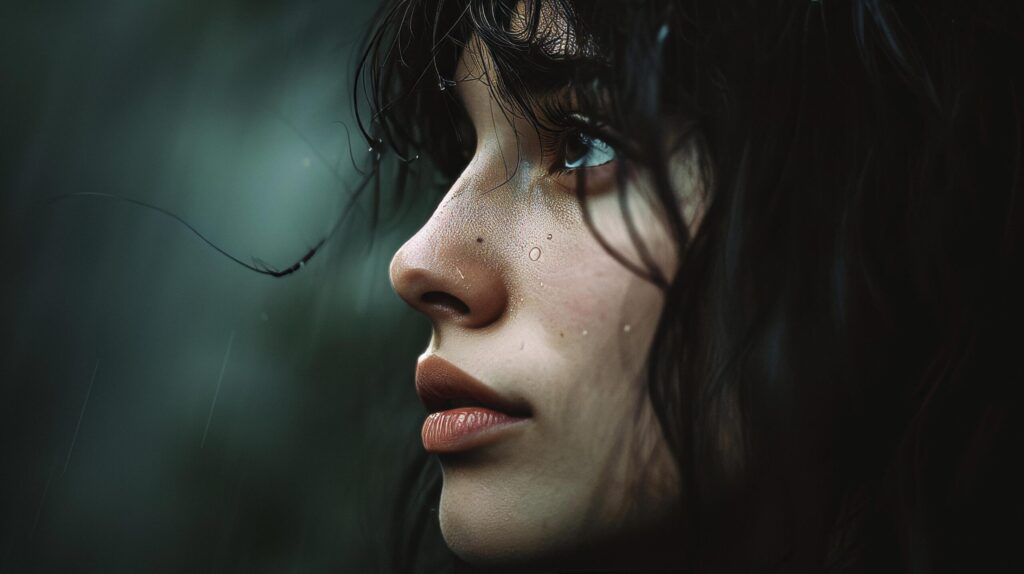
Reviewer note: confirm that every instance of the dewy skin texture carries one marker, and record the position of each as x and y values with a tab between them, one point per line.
525	300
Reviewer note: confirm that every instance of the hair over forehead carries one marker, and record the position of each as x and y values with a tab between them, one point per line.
847	144
551	25
586	52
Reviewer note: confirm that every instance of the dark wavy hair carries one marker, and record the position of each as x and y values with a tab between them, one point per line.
835	369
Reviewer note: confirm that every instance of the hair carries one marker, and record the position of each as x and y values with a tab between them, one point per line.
834	369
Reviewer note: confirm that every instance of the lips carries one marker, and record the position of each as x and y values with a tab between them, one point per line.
464	413
442	386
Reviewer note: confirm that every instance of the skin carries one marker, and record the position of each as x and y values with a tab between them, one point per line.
568	332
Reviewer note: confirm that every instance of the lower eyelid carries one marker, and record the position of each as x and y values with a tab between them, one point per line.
598	179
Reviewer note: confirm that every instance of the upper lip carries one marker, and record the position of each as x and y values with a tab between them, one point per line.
440	384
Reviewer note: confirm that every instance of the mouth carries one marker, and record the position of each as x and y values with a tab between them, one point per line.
464	413
443	386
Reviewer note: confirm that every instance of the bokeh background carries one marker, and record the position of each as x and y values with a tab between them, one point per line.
163	409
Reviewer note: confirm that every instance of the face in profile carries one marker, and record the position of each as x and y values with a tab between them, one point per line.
535	374
712	287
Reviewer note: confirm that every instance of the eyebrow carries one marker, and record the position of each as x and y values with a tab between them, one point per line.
548	75
544	78
547	81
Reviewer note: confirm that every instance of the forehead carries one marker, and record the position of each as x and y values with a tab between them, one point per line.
474	71
542	24
475	84
477	89
543	64
546	25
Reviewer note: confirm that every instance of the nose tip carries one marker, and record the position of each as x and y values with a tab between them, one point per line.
448	289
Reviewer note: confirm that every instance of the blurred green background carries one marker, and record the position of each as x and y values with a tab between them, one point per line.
164	409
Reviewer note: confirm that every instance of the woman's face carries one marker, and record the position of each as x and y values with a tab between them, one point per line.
524	299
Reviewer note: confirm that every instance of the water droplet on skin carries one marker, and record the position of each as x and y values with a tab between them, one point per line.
535	254
584	332
306	162
627	328
549	236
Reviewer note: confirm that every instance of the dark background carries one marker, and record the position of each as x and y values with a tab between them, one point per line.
163	409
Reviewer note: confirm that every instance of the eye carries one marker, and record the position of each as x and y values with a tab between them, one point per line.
583	150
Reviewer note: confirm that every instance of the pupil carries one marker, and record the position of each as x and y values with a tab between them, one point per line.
578	146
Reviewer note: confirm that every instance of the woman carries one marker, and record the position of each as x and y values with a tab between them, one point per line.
715	286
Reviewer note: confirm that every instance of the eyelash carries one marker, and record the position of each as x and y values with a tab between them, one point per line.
565	126
572	127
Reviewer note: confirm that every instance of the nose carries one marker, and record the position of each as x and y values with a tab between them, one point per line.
446	275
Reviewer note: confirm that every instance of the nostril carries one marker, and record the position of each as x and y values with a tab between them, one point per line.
446	301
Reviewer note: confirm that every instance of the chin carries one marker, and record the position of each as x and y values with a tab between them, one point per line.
489	526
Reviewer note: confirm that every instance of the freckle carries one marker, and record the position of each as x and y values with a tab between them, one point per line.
479	239
561	334
627	328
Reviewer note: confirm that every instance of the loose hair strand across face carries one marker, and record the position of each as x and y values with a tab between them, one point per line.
835	368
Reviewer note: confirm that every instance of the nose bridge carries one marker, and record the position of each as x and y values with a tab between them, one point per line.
448	269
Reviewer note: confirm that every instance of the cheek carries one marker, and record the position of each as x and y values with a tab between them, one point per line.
584	295
588	298
574	342
597	321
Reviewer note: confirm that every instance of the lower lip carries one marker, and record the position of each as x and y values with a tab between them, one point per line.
465	428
